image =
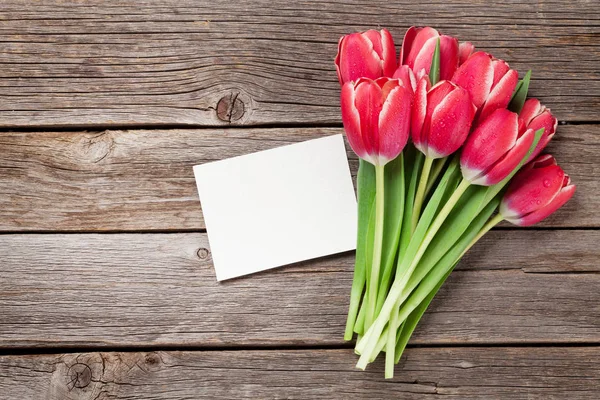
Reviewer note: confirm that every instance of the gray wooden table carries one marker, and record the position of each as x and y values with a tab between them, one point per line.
106	283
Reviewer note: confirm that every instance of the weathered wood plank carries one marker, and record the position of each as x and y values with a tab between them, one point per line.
172	62
143	180
160	289
425	373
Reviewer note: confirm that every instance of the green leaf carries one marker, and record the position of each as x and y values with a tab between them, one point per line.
520	94
434	71
453	182
393	212
360	321
517	88
410	201
365	182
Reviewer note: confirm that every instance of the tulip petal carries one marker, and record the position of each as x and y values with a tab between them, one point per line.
559	200
530	190
541	162
500	69
450	124
422	62
476	75
500	95
374	37
337	62
419	111
394	123
490	141
407	77
531	109
407	41
435	95
508	162
351	119
465	49
414	41
448	56
368	103
358	58
549	123
389	53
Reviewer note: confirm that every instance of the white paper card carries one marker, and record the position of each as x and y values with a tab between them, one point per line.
279	206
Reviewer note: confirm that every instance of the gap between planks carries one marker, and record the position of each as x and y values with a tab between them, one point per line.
423	373
25	351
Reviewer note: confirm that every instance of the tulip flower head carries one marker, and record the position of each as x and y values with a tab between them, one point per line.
535	116
538	190
489	81
418	47
441	118
369	54
495	148
376	116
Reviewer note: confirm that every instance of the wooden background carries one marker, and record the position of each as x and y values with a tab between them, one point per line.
106	283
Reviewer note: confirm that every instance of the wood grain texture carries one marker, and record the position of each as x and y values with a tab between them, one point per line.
143	180
71	63
160	290
424	373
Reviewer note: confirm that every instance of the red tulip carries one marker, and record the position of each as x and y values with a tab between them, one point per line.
418	47
441	118
376	116
495	148
489	81
538	190
407	76
536	116
369	54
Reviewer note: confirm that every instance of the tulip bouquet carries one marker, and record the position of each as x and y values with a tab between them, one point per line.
473	161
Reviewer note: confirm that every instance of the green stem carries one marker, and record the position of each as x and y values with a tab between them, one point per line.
390	347
369	341
360	319
421	192
377	244
438	166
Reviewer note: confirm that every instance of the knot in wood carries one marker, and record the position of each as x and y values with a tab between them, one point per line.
230	108
79	376
202	253
152	359
97	147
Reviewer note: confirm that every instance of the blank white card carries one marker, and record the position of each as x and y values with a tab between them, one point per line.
279	206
